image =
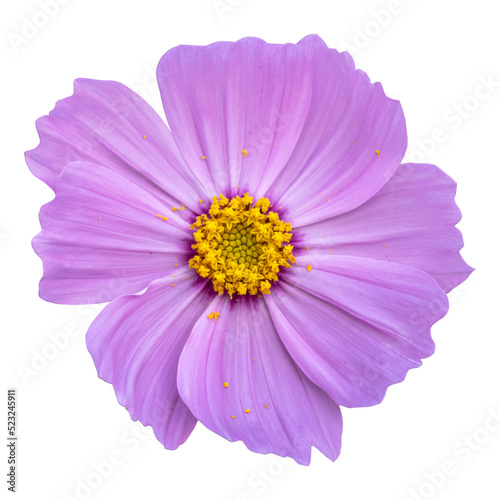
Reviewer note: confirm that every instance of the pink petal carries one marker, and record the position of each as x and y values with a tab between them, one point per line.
355	326
411	220
287	413
104	236
335	166
136	342
106	123
234	96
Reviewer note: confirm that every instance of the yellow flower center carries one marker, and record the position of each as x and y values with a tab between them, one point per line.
240	246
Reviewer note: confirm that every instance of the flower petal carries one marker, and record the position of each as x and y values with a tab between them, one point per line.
335	166
104	235
136	342
234	96
355	326
106	123
238	380
411	220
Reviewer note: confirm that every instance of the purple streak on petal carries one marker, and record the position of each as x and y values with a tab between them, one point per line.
355	326
136	342
104	122
102	237
231	96
243	349
335	158
411	220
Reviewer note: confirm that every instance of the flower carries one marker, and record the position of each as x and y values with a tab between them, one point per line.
267	259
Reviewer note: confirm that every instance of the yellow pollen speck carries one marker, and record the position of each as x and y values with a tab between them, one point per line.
98	218
213	315
201	201
144	137
173	284
183	207
307	249
331	250
161	217
244	152
174	276
187	279
328	199
247	411
173	209
203	157
378	152
266	405
383	245
309	267
241	245
225	384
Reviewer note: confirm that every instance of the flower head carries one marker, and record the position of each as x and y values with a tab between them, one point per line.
266	259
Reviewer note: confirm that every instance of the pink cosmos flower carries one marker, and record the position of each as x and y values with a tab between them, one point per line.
267	258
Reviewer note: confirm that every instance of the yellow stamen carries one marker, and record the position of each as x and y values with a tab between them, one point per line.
241	246
266	406
309	267
203	157
233	416
378	152
144	137
245	152
162	217
225	384
247	411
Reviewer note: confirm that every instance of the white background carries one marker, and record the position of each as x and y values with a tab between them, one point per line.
432	56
